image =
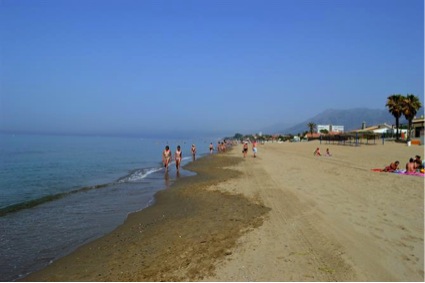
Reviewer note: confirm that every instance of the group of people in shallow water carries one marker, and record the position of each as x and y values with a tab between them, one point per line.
167	157
178	155
414	165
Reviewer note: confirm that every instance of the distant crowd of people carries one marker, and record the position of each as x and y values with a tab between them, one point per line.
412	166
167	156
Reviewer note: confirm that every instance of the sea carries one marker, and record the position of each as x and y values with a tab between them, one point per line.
60	192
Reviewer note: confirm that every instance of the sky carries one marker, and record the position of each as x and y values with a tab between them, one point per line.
166	67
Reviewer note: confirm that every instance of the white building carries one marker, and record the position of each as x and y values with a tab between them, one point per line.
381	129
330	128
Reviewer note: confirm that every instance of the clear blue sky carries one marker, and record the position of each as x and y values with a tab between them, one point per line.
148	67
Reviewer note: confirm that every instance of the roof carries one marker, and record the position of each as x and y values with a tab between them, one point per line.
374	128
418	121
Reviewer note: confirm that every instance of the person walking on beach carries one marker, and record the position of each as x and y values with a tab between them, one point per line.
245	149
178	157
211	148
193	150
254	148
166	157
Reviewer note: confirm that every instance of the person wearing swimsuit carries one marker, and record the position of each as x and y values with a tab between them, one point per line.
245	149
166	157
392	167
254	148
193	150
178	157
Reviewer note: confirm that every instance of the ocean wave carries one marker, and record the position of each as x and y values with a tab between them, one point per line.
34	202
135	176
138	175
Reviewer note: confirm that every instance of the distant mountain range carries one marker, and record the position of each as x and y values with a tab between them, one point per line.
351	119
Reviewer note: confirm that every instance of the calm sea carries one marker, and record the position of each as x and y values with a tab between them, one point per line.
59	192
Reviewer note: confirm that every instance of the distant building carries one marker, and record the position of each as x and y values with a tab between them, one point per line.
418	129
381	129
330	128
376	129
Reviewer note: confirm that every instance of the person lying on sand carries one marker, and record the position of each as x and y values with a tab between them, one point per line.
392	167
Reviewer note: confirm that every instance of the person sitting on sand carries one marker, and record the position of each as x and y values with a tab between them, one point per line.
317	152
418	161
410	166
178	157
418	165
392	167
166	157
328	153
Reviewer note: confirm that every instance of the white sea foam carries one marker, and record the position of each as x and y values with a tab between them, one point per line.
138	175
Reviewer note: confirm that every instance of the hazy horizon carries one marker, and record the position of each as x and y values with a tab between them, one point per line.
201	67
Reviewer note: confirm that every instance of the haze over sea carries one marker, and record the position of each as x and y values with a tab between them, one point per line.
76	188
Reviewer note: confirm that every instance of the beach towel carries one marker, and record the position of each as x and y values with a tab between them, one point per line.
400	172
403	172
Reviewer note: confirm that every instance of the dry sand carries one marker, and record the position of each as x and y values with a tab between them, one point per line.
283	216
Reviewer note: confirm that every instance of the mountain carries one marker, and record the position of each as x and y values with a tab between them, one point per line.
351	119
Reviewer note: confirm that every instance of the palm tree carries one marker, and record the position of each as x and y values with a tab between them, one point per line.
395	107
311	126
410	106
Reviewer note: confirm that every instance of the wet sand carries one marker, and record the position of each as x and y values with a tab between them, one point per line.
283	216
180	238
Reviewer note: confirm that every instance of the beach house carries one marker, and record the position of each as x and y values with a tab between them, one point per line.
418	131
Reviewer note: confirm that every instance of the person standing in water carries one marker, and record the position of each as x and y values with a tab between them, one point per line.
193	150
178	157
211	148
166	157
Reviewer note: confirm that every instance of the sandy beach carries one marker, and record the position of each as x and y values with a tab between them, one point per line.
283	216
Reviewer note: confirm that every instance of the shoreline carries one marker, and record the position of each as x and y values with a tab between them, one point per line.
283	216
161	242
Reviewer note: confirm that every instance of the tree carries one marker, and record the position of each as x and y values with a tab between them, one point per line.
238	136
311	126
410	106
395	107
